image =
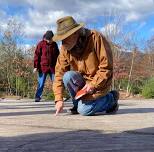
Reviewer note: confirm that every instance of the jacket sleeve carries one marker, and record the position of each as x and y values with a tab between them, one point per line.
62	66
105	68
37	56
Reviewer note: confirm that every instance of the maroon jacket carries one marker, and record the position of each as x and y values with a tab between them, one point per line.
45	56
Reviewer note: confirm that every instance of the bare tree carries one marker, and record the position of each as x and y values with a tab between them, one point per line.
9	52
114	31
150	55
124	42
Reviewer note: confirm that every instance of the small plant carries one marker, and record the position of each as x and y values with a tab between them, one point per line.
135	89
50	96
148	89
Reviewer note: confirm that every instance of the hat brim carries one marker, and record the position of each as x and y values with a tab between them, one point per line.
57	37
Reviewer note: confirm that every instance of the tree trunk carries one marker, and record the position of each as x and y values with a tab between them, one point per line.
9	83
130	74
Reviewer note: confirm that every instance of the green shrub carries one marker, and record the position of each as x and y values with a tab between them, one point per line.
65	93
31	94
1	94
148	89
49	96
135	89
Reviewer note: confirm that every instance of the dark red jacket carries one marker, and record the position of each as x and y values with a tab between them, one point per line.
45	56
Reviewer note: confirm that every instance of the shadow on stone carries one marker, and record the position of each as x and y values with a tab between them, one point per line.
27	113
80	141
135	110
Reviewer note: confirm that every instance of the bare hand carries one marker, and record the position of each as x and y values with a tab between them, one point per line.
59	107
35	69
89	88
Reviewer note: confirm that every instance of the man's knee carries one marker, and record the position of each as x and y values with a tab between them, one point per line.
68	76
84	111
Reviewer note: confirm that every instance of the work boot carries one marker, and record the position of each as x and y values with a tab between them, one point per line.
115	106
37	99
72	111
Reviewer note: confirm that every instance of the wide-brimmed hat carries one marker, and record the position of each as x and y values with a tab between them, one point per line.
66	26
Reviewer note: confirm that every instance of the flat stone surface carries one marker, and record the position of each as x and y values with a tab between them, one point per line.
26	126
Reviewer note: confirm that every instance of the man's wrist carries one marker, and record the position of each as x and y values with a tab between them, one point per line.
58	101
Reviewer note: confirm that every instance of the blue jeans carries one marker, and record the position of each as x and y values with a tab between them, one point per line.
41	82
73	81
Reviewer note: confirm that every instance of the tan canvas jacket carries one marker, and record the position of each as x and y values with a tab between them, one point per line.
95	65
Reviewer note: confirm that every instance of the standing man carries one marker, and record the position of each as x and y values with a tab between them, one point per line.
85	62
45	58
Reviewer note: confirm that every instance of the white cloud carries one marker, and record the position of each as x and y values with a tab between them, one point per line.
90	8
25	46
133	16
38	23
48	18
34	31
110	28
3	23
3	26
138	10
42	14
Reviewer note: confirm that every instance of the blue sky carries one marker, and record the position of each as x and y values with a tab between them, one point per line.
37	16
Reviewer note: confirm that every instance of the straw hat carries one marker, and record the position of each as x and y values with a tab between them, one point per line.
65	27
